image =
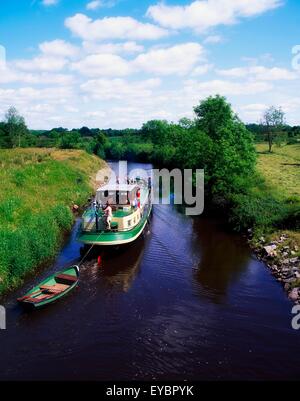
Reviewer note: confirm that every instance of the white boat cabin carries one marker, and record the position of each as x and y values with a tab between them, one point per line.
117	195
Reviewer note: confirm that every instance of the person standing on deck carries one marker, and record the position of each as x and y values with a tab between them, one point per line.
108	214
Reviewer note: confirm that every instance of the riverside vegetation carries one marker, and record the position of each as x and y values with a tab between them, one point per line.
256	189
280	248
38	188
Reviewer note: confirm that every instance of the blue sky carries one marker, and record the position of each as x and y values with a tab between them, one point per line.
118	63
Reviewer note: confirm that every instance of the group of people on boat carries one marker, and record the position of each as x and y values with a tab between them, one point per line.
105	209
108	211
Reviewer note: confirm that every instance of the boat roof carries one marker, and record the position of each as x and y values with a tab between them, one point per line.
117	187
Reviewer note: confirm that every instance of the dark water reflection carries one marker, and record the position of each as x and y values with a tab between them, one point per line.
222	258
186	301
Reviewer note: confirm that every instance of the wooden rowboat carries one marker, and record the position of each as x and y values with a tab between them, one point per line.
52	288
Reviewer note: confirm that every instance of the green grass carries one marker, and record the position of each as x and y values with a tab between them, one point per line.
38	188
281	170
271	200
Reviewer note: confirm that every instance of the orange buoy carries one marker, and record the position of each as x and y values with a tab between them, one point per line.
99	260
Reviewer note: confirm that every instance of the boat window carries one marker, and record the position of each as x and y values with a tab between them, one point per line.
129	223
106	193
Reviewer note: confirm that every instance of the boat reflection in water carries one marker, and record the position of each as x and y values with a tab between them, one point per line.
119	266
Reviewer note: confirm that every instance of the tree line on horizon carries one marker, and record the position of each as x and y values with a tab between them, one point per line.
14	133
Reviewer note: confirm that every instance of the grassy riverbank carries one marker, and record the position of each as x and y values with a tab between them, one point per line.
272	200
38	188
281	172
278	243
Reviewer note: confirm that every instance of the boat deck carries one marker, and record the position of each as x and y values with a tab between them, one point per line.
115	237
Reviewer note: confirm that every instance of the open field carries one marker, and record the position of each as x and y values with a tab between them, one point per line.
38	188
281	169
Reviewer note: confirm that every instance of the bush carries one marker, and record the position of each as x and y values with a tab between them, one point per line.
257	210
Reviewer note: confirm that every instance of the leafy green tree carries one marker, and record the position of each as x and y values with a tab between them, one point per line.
85	131
231	157
69	140
101	144
117	150
156	131
16	127
186	123
4	136
213	114
273	121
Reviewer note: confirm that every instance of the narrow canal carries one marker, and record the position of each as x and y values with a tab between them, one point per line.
187	300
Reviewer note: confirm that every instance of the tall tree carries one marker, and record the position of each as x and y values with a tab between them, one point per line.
224	145
16	126
213	114
273	121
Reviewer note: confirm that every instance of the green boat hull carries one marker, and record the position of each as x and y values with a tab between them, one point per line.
50	281
111	238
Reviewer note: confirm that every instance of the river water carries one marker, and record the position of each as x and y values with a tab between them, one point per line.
187	300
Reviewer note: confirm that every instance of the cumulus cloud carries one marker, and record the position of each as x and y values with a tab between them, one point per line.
59	48
102	64
41	63
13	75
202	69
120	89
178	59
125	28
259	73
201	15
112	48
227	88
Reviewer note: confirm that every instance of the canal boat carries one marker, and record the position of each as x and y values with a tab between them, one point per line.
52	288
131	208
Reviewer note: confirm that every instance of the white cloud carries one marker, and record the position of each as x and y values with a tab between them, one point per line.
259	73
201	15
125	28
178	59
120	88
252	112
41	63
202	69
213	39
102	64
227	88
112	48
59	48
49	2
93	5
13	75
28	96
254	107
